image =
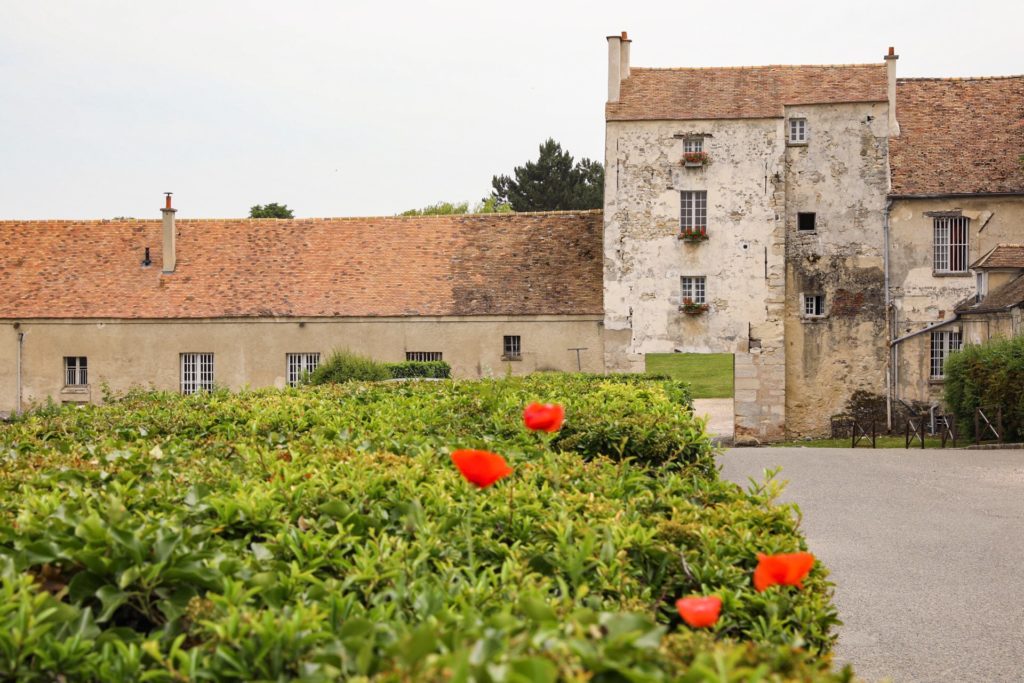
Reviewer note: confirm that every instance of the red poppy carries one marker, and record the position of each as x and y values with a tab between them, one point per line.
782	570
546	417
699	612
481	468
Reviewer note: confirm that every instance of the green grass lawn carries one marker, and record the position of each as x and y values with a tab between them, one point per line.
709	374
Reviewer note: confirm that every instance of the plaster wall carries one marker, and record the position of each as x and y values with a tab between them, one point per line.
742	260
922	297
840	175
125	354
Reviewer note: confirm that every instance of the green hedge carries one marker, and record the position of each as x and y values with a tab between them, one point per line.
411	369
991	374
318	533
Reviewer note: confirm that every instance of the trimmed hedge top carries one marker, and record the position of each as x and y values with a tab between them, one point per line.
322	533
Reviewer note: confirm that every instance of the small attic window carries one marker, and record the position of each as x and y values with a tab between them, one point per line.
798	131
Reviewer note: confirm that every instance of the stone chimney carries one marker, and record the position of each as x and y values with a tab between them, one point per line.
170	257
890	68
618	64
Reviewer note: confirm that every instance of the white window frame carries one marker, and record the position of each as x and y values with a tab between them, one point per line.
813	305
423	356
693	211
196	372
298	365
694	288
797	130
76	371
512	347
944	343
951	236
692	145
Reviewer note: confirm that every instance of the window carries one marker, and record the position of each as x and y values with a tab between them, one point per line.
798	131
76	371
693	215
814	305
196	372
694	290
943	344
423	355
805	221
982	286
691	145
951	244
299	365
512	347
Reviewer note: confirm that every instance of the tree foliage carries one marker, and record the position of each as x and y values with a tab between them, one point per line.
986	376
488	205
272	210
551	183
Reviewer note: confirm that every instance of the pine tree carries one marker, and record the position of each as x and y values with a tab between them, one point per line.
552	183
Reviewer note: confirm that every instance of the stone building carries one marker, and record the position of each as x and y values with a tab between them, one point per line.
792	216
185	305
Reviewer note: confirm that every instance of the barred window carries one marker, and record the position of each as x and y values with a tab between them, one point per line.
299	365
951	244
943	344
76	371
798	130
693	215
692	145
814	305
512	346
196	372
423	355
694	289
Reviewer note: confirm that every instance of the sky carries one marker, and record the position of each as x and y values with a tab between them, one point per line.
352	108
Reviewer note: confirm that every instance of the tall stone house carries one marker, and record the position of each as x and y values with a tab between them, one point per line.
838	230
827	225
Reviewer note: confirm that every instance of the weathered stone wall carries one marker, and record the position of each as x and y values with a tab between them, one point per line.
920	296
840	175
125	354
742	259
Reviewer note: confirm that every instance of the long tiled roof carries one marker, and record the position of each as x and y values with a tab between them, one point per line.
1002	256
958	136
488	264
742	92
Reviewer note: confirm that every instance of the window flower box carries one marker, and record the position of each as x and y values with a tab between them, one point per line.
690	308
695	159
694	235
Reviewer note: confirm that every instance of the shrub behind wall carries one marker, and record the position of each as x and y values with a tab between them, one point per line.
991	374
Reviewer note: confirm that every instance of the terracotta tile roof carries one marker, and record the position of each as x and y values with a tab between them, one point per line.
489	264
1002	256
1009	295
743	92
958	136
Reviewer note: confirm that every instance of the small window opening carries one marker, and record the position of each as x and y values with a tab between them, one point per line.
805	222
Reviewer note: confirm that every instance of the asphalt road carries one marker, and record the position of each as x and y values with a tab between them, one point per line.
926	549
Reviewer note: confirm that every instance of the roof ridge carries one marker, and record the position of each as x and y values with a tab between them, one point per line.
752	66
960	78
15	221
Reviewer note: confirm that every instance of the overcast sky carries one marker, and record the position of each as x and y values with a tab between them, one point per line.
369	108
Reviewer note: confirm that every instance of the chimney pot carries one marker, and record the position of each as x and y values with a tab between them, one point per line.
625	36
892	51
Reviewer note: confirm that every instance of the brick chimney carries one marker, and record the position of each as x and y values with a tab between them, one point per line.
890	69
618	64
170	257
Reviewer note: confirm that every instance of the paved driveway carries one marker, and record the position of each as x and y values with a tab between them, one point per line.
926	549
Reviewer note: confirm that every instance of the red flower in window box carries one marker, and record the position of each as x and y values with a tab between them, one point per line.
690	308
694	234
696	159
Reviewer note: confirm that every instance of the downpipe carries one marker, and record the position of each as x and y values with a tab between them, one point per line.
21	344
